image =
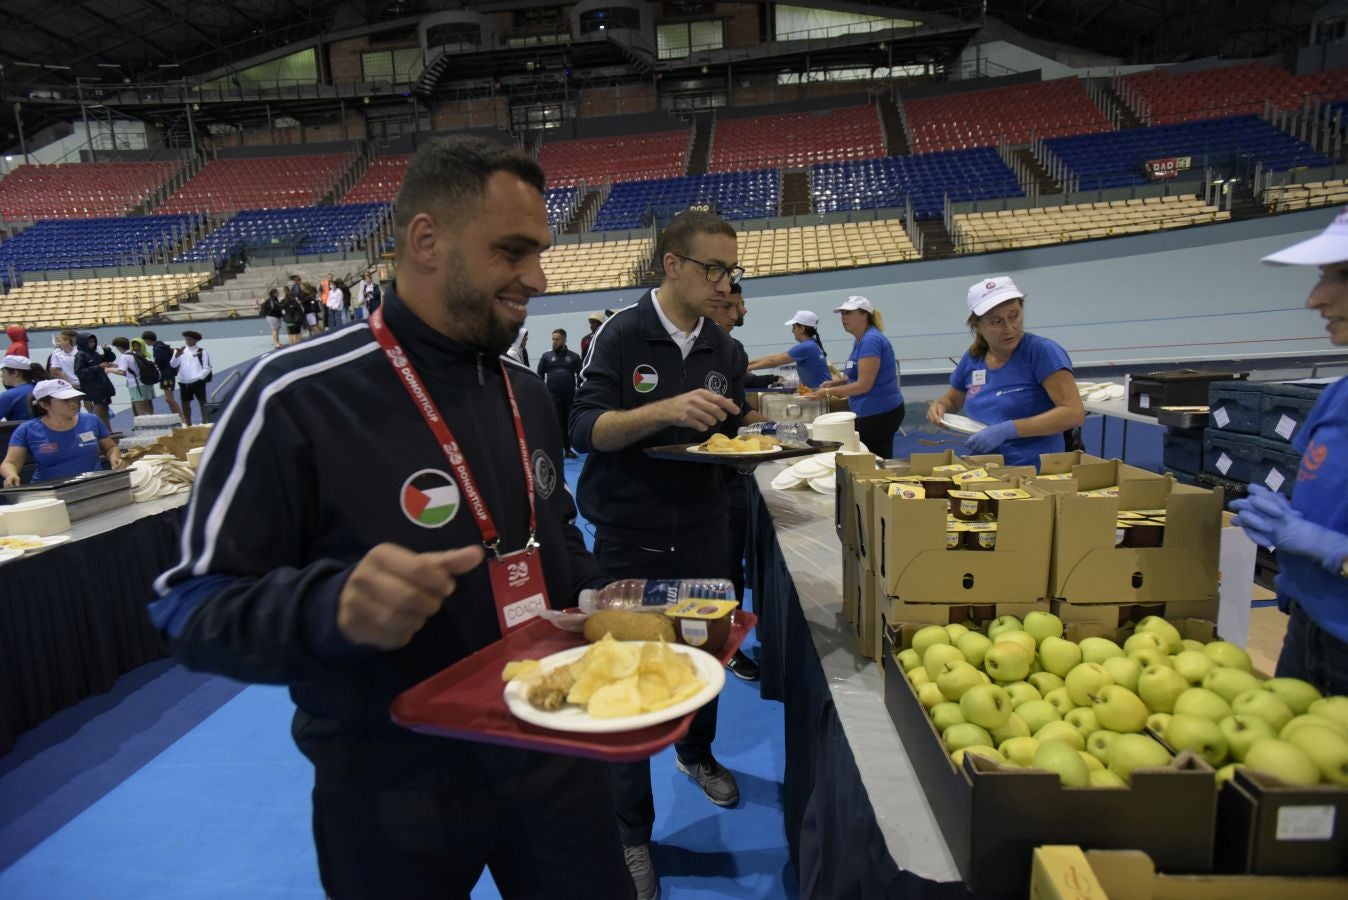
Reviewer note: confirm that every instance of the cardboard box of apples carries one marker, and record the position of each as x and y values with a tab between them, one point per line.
1150	712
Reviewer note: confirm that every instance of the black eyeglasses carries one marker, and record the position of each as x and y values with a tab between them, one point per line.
716	271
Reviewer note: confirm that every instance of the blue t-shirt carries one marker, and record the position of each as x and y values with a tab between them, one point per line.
1015	391
60	454
884	393
811	367
1319	495
14	402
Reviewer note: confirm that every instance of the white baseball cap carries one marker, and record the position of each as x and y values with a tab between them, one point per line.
1329	246
855	302
804	317
55	387
13	361
991	292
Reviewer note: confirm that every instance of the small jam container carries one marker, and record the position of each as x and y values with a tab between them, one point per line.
704	624
971	475
908	491
1121	528
954	535
968	506
949	471
981	536
997	495
1145	533
937	487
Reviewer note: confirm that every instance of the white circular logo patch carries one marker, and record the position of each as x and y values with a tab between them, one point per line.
545	474
717	383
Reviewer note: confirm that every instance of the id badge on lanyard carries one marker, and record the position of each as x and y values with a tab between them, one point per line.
518	587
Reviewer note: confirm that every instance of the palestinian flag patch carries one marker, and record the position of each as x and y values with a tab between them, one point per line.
645	378
430	498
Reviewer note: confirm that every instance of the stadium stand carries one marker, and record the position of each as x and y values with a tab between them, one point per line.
1288	197
380	181
927	179
1016	114
91	243
240	296
229	185
562	203
734	195
80	190
638	157
68	303
595	265
290	232
778	251
796	139
981	232
1162	97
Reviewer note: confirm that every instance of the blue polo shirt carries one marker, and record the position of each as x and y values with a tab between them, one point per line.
811	367
14	402
61	454
1015	391
884	394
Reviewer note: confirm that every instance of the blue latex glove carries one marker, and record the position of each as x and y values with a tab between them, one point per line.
1268	518
990	438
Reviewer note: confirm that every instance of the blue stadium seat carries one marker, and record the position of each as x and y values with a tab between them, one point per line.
92	243
925	178
734	195
296	231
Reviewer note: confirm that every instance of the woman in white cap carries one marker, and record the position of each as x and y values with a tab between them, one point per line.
807	354
1310	531
1018	384
18	374
61	439
870	381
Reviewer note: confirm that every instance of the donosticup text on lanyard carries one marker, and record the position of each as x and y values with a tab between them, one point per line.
517	584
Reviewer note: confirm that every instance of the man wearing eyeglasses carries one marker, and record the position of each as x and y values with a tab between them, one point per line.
662	372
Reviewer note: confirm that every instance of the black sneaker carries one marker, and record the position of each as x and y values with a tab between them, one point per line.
742	667
638	859
714	779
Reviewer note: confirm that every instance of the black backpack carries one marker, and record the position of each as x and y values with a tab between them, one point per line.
149	372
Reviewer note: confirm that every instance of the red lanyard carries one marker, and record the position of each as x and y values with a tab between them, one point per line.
431	413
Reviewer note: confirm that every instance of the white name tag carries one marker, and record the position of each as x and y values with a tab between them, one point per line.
980	376
523	610
1305	823
86	437
1286	425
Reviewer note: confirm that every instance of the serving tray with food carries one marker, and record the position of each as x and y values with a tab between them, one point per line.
738	451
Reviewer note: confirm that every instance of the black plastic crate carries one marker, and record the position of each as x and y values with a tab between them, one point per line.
1183	387
1277	469
1235	406
1182	450
1285	409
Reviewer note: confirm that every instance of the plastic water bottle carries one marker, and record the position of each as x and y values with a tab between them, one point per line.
654	594
786	431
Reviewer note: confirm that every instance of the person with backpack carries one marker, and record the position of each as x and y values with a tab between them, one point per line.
162	354
141	375
292	315
92	366
194	373
271	308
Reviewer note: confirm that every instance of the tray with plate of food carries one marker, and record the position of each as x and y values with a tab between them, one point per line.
749	450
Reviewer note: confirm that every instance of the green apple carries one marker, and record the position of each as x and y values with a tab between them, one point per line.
973	645
1193	665
1130	752
1002	623
943	715
1326	749
1056	756
1092	764
1119	709
955	630
1144	640
1019	751
1038	713
928	637
1060	700
1202	702
1203	736
1283	760
1060	731
1333	708
1045	681
1191	644
1035	666
1021	692
937	655
918	677
977	750
1297	694
965	734
986	705
929	695
1097	744
1084	680
1083	720
1107	779
1043	625
1159	687
957	677
1007	661
1099	649
1310	719
1150	656
1024	638
1229	655
1264	705
1242	731
1124	670
1058	656
1225	772
1015	727
1156	722
1230	683
909	659
1162	629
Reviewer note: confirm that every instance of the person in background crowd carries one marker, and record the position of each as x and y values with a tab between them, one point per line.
18	341
18	374
595	319
163	360
61	362
292	314
807	354
193	365
62	440
92	368
370	295
1018	384
1311	531
313	309
871	380
336	304
519	350
560	370
271	309
366	577
324	288
129	361
660	372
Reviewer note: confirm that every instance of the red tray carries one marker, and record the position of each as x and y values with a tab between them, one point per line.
465	700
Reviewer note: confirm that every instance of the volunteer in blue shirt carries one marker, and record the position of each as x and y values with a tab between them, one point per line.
871	380
18	374
1019	385
807	354
1311	531
63	440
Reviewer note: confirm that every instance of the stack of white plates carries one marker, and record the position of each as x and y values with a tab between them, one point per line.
1095	391
39	517
815	471
158	475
